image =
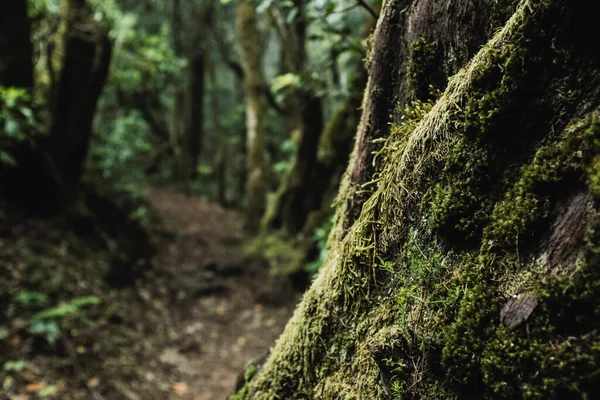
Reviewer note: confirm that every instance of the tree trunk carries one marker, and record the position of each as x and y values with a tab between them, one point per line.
16	51
335	146
335	143
464	261
253	88
222	165
292	202
85	53
177	113
195	111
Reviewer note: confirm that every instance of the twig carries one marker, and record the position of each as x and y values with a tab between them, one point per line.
367	7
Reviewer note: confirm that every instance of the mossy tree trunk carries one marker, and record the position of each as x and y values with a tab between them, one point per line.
84	52
464	262
16	51
253	92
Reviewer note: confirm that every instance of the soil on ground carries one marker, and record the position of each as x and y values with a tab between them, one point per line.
184	330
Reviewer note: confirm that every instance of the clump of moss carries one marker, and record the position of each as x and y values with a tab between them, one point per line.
424	69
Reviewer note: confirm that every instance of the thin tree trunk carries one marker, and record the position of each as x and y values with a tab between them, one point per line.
194	115
222	166
16	51
177	115
293	202
253	86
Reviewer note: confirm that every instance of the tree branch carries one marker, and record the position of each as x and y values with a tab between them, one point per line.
367	7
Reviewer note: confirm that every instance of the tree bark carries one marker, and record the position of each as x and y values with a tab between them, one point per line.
85	53
16	51
195	111
222	164
253	86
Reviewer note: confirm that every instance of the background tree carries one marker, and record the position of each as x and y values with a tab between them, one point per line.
84	52
16	51
253	90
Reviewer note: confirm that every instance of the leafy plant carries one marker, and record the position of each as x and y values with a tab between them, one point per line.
31	298
14	366
17	121
46	322
66	309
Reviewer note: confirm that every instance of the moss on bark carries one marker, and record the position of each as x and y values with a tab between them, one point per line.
464	258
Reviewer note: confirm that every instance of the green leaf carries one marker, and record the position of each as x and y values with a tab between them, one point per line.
292	15
48	391
284	81
66	309
49	329
11	127
27	112
16	366
262	7
27	298
7	159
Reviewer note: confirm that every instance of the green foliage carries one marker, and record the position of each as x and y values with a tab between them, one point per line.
69	308
48	329
143	60
287	150
17	122
28	299
119	144
15	366
46	322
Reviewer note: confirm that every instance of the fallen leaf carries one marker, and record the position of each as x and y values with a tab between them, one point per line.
241	341
94	382
15	340
220	310
48	391
28	376
180	388
35	387
197	398
20	397
258	308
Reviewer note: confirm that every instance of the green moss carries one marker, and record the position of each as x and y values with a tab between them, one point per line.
424	68
284	255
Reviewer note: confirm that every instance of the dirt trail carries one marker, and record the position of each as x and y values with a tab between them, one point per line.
183	331
224	313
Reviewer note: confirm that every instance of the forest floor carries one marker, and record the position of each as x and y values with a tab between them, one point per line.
183	331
